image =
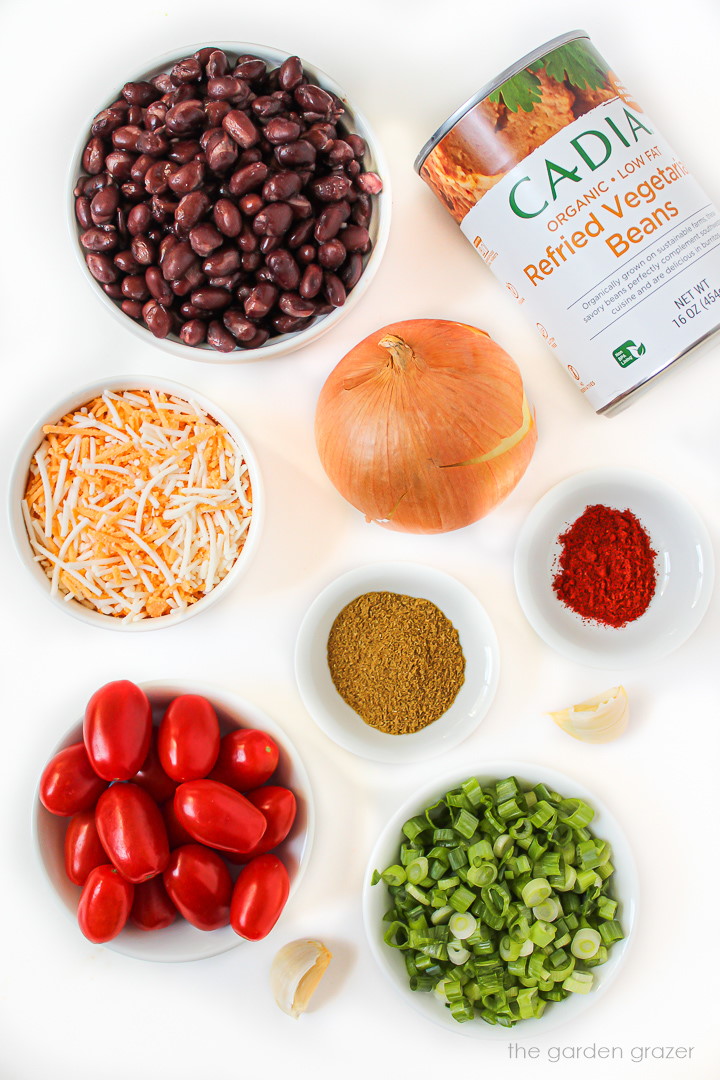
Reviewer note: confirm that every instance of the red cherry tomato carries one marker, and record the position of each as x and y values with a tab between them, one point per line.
117	730
199	884
218	816
278	806
69	783
177	833
132	831
152	907
247	759
153	777
105	904
260	894
188	738
83	849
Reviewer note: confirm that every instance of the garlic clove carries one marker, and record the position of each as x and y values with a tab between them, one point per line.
295	973
597	720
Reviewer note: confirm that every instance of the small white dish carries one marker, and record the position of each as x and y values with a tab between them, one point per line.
379	227
180	941
376	899
18	481
477	638
684	563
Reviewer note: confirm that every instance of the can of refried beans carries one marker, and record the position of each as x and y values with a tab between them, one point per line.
574	199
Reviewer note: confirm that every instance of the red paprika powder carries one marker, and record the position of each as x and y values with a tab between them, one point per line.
606	567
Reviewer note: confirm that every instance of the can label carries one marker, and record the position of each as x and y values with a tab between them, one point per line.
598	230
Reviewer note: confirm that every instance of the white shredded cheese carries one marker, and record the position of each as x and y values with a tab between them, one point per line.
137	504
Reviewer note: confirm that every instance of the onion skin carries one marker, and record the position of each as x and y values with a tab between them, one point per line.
400	430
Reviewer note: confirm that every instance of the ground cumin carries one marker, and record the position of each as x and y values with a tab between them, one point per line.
396	660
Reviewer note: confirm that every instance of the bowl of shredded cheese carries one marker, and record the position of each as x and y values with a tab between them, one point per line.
135	503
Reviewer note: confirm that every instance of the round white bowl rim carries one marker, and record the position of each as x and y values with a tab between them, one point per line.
21	465
217	941
286	343
524	771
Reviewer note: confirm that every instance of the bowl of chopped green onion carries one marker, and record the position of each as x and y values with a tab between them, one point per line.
502	901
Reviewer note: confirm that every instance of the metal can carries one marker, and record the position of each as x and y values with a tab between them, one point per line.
573	198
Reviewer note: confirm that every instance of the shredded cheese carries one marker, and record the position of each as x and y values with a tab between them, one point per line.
137	504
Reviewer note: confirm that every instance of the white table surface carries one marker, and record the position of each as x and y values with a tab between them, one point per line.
69	1009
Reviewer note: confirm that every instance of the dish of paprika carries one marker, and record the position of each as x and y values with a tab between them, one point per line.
606	570
613	568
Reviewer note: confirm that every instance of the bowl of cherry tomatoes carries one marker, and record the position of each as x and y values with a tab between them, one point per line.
174	821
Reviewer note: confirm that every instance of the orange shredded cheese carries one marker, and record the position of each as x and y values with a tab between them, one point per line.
137	504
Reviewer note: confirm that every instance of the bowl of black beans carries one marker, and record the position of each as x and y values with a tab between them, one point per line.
229	204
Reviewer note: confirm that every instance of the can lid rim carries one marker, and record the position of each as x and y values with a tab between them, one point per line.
488	88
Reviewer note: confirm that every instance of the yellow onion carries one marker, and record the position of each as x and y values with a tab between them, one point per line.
424	426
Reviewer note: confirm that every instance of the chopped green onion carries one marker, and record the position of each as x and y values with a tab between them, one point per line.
457	857
457	953
479	852
509	949
544	815
585	943
408	852
473	792
509	810
548	865
461	1012
466	824
568	881
521	829
580	982
506	789
526	1002
445	884
484	874
501	845
535	892
548	910
462	925
501	901
599	958
394	875
461	898
606	908
422	982
416	871
610	931
414	827
576	813
542	933
419	894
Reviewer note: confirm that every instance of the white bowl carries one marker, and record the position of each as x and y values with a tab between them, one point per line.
477	639
376	899
374	161
181	941
18	480
684	563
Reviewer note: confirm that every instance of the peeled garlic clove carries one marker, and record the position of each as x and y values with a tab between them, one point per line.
597	720
295	973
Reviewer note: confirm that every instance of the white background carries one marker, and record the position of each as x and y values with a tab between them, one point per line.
71	1009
